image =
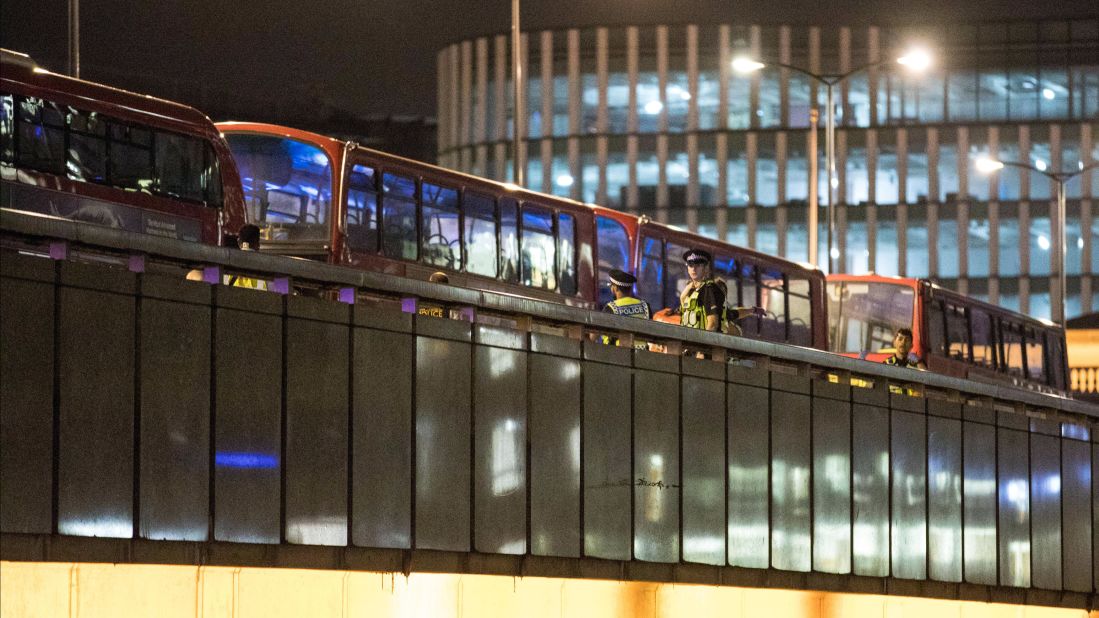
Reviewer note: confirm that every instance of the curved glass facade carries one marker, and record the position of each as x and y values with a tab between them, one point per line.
653	119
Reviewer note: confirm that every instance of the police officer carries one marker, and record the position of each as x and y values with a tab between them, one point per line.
902	351
247	240
624	302
702	302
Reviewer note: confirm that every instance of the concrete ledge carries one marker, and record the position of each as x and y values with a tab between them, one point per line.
499	337
317	309
643	359
830	390
701	368
176	289
613	355
940	407
542	343
28	267
99	278
443	328
382	319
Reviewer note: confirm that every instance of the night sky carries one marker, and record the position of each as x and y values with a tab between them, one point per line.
379	57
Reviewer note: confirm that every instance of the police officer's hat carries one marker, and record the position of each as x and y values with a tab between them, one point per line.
622	278
698	256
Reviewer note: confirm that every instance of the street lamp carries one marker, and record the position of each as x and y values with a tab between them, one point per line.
987	165
74	38
519	112
915	60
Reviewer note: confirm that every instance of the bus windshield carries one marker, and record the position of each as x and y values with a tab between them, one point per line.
287	186
862	317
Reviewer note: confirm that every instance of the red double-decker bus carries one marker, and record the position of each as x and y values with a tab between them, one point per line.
952	333
321	198
88	152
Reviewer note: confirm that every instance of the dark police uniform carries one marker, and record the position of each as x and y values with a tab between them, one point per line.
908	362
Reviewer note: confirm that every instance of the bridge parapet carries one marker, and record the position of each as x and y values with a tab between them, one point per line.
187	422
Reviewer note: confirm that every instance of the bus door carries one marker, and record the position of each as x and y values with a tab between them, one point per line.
361	224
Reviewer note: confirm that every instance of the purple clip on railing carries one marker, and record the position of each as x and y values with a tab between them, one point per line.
59	250
347	295
467	314
408	305
137	263
211	275
281	285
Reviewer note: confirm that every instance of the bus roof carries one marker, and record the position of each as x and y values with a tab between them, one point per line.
691	239
916	282
19	68
333	146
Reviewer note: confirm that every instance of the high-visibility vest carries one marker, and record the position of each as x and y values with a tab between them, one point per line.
246	282
693	314
630	306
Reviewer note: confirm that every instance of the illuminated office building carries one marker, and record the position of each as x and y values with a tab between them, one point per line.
653	119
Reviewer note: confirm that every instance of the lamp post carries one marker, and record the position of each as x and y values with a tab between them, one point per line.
916	60
74	38
520	113
989	166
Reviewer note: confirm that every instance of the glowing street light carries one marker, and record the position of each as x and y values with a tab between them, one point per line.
988	165
915	60
746	65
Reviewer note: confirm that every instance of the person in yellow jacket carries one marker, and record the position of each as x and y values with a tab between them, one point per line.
624	302
702	302
247	240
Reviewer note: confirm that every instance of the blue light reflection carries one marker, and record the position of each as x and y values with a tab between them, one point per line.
246	461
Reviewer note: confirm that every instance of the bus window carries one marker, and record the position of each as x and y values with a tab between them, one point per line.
863	317
7	128
613	245
566	253
983	343
441	230
509	240
957	333
677	277
538	250
88	147
131	157
1035	355
40	135
650	274
773	287
1012	337
725	269
362	207
211	177
287	185
177	169
936	328
480	238
801	313
749	297
399	216
1056	357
